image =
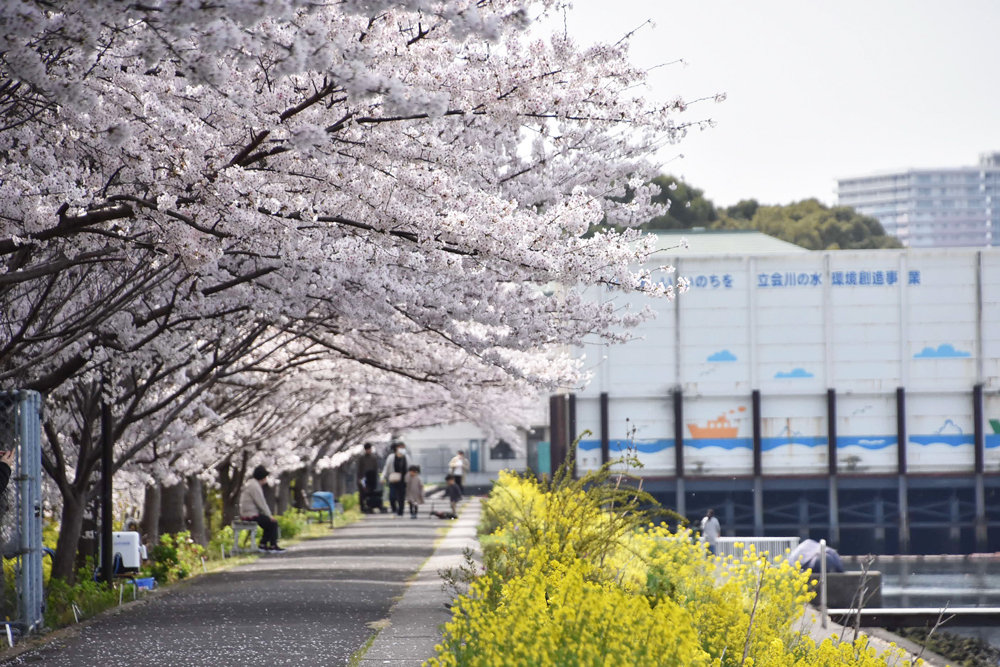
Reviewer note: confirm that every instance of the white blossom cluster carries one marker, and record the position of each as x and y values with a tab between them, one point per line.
280	227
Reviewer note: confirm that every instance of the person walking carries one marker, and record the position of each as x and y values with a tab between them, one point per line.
253	507
710	531
367	478
456	468
414	490
393	474
453	494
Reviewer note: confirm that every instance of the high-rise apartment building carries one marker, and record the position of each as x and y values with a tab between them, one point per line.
926	208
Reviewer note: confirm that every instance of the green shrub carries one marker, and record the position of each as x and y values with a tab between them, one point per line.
350	501
292	523
90	597
174	558
222	539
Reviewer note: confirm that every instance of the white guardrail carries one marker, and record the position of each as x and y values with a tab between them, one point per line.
774	546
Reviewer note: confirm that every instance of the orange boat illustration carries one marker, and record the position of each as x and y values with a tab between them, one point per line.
716	428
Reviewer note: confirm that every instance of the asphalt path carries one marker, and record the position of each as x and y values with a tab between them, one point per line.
311	605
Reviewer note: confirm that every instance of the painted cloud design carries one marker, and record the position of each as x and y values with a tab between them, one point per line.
794	373
943	351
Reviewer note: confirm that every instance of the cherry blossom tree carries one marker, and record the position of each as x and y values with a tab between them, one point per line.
386	188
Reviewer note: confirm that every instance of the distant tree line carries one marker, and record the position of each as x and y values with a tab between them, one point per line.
808	223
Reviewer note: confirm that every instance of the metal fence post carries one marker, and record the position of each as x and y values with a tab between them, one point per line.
822	581
21	522
30	479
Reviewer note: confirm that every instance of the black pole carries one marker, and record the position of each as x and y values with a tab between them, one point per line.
107	473
605	433
831	429
678	433
901	429
571	418
980	434
758	449
558	426
571	434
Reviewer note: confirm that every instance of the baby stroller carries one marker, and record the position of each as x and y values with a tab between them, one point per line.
372	500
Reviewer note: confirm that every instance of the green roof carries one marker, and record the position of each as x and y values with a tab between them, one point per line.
723	242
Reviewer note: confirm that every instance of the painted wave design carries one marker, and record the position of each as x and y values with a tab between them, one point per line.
767	444
870	442
618	446
992	440
951	439
722	443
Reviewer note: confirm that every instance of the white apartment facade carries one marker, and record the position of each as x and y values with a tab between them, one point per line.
932	208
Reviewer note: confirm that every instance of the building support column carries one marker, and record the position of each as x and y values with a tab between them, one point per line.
758	481
901	439
729	527
758	506
879	524
833	503
557	430
803	517
758	449
982	527
571	434
678	399
605	431
955	530
982	530
904	517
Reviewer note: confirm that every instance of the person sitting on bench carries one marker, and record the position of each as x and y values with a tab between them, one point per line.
253	507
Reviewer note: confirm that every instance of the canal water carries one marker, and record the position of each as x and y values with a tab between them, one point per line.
936	584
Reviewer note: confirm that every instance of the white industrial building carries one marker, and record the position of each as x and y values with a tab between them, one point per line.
851	395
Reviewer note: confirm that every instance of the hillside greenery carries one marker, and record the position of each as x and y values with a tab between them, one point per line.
807	223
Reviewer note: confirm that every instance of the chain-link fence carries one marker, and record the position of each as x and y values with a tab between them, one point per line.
21	510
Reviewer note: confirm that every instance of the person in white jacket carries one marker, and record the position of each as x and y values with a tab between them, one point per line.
456	468
394	475
710	531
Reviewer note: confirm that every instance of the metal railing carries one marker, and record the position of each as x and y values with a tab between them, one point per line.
21	510
774	546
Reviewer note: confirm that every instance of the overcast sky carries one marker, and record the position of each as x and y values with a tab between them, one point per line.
816	90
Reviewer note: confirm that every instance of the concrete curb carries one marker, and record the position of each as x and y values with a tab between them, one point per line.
878	638
416	621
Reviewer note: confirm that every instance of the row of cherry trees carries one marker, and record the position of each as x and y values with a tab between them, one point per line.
265	231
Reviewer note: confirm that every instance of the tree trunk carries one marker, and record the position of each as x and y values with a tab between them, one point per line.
230	484
69	538
172	508
284	499
301	481
330	481
151	514
195	505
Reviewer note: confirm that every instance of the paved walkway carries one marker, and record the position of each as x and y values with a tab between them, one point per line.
309	606
416	621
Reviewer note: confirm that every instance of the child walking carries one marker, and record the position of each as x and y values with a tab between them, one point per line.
453	493
414	490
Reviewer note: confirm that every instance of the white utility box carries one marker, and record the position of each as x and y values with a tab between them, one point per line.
130	550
